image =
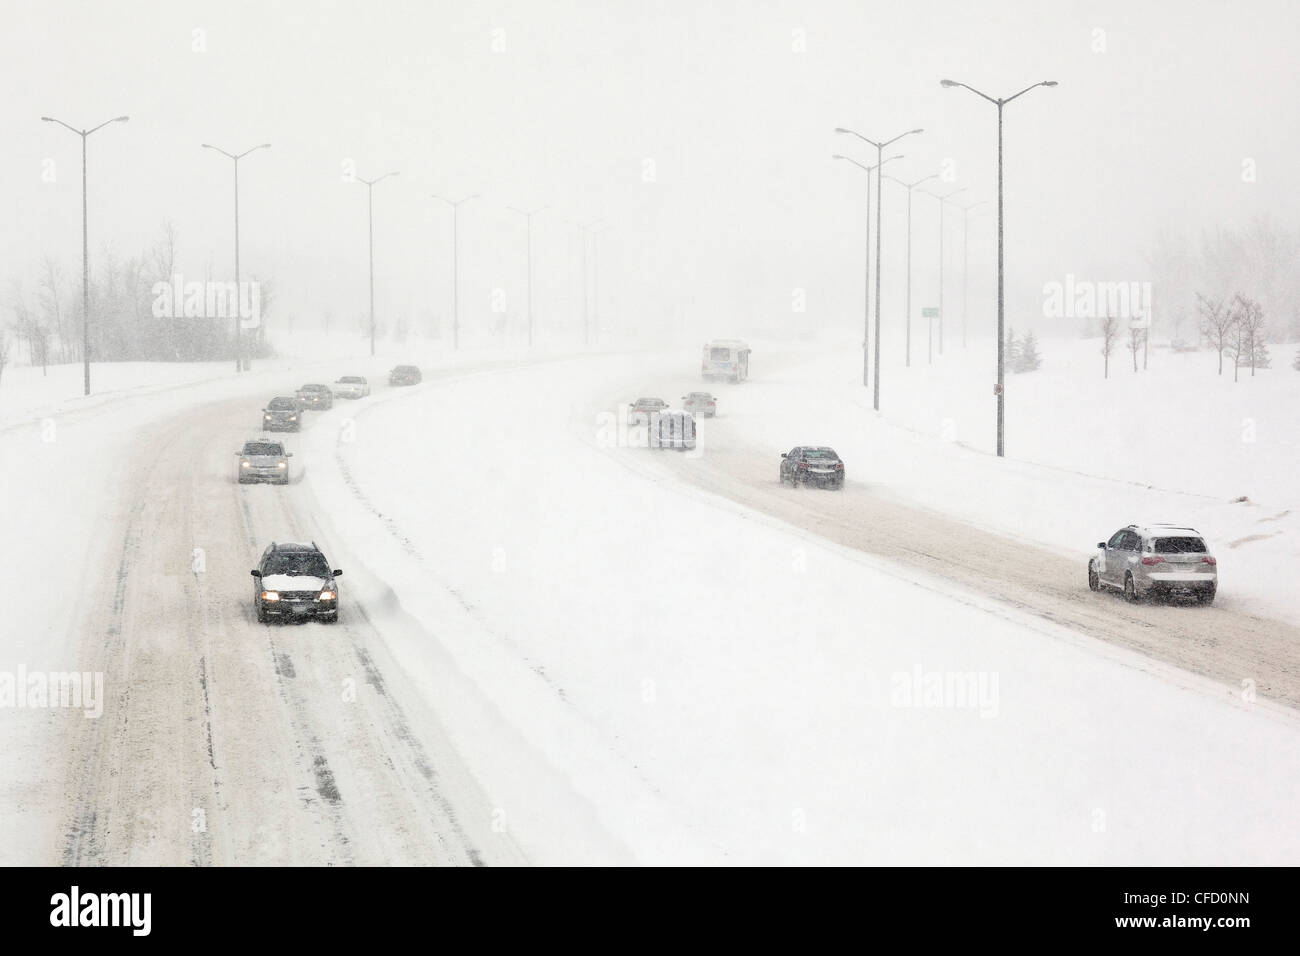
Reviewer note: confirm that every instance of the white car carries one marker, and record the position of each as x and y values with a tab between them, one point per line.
351	386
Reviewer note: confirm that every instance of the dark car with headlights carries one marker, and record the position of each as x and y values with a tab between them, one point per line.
295	582
282	414
263	460
316	396
812	465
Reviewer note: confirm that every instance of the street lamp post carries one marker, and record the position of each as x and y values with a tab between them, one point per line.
943	201
528	227
999	102
910	187
455	266
239	335
866	301
880	150
85	243
370	220
584	229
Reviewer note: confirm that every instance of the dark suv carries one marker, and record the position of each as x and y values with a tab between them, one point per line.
282	414
812	465
404	375
316	396
295	581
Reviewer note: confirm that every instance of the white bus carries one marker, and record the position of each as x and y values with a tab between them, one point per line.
725	358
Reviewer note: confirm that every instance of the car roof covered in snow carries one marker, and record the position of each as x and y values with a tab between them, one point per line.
1166	530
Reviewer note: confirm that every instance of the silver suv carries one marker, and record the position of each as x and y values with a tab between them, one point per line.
1163	559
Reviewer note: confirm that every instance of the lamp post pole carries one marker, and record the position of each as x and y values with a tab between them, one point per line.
866	301
85	244
910	187
880	150
370	232
999	390
455	266
528	227
239	333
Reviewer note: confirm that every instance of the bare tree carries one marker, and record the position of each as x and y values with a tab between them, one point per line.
1250	322
1217	323
1109	333
1135	336
4	350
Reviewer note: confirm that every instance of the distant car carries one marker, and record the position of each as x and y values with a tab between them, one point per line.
294	581
643	408
263	460
316	396
351	386
282	414
672	428
404	375
812	465
700	403
1164	559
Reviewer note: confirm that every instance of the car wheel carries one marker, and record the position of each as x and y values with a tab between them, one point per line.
1094	579
261	616
1207	596
1130	590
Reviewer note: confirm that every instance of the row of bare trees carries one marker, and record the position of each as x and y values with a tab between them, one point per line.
46	325
1237	328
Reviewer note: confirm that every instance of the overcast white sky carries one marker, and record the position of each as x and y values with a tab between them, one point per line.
566	104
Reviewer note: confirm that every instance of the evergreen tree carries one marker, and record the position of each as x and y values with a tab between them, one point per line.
1027	357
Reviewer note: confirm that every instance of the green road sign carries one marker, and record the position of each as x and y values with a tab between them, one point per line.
930	312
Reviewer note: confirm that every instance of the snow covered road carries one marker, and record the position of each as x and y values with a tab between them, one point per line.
554	649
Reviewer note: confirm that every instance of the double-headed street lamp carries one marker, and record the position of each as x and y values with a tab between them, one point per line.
455	265
585	228
999	389
910	187
880	152
370	219
85	243
943	201
239	336
866	299
528	220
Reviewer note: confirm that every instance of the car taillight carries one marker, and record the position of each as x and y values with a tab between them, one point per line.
1152	559
839	466
803	466
1209	560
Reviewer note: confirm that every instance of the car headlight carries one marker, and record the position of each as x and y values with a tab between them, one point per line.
267	417
283	464
326	596
270	595
244	463
293	418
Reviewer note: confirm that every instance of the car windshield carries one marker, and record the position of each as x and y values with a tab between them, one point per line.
263	448
700	397
720	355
351	380
305	563
1179	545
311	388
825	453
650	401
404	368
283	404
